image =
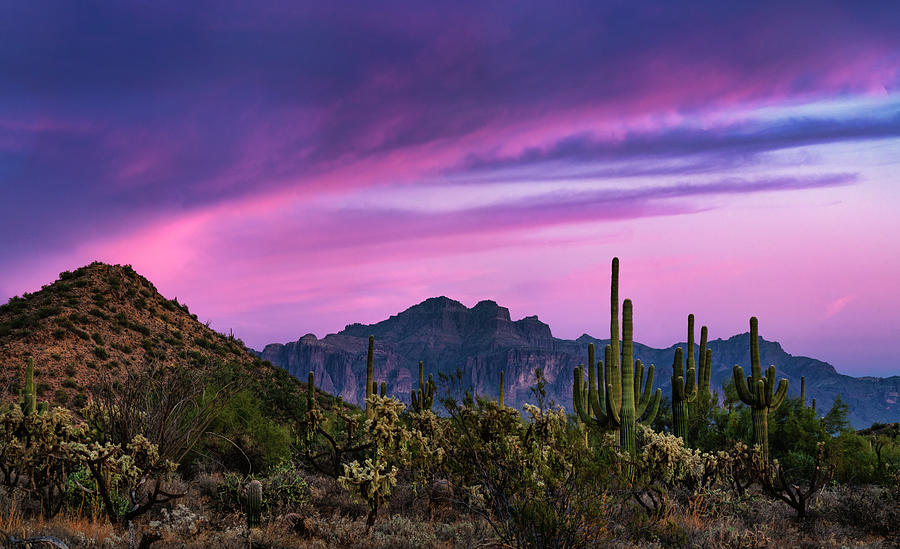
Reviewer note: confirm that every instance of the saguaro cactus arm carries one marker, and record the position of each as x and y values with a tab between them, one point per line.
646	398
652	409
741	385
705	368
780	394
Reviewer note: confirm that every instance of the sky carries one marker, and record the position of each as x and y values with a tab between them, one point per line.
292	167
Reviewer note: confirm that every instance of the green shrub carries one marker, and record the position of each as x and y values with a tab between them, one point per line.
61	396
284	491
264	441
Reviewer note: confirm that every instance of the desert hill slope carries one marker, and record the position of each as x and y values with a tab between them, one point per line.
101	320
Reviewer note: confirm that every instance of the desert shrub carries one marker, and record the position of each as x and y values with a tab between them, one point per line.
534	482
83	497
284	490
61	396
247	439
855	460
870	508
158	415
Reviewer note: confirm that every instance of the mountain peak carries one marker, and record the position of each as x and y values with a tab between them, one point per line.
438	303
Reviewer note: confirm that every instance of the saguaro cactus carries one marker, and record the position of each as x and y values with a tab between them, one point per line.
254	503
690	388
812	407
423	399
617	394
29	405
632	407
704	367
684	390
759	392
311	391
591	408
370	365
501	389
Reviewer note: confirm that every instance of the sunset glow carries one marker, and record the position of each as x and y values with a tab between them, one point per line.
291	169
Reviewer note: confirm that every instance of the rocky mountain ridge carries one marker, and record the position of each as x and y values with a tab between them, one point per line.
482	340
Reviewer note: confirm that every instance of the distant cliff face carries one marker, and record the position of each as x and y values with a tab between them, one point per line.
483	340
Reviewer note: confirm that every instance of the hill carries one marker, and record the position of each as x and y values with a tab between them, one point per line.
483	340
100	321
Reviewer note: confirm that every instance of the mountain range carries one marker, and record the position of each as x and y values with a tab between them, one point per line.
483	340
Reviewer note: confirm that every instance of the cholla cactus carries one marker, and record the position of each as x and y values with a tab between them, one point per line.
392	446
759	392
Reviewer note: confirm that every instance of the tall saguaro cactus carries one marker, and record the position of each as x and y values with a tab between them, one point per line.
690	388
370	365
502	405
704	366
759	392
423	399
617	394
